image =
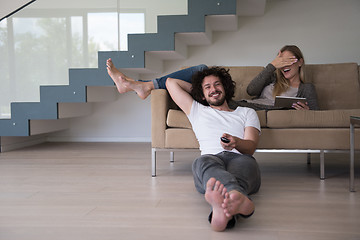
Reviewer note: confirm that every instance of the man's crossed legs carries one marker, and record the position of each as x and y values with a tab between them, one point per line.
228	179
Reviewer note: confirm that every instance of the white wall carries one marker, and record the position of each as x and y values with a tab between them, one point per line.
327	31
154	8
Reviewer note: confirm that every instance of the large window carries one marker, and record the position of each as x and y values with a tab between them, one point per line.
6	85
37	48
130	23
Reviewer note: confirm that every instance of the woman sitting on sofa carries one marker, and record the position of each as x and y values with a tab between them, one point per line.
287	81
284	76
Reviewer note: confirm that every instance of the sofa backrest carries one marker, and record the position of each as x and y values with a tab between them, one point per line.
243	76
337	85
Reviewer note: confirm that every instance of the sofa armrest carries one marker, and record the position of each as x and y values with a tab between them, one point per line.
159	108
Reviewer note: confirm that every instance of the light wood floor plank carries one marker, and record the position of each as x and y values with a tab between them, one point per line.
105	191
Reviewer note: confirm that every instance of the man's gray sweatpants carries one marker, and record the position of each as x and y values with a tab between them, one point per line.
235	171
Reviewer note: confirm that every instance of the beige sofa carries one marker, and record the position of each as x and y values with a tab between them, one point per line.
338	90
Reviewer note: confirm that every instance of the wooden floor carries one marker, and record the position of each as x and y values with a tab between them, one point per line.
105	191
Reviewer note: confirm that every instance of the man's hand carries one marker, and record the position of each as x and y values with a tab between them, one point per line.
245	146
230	145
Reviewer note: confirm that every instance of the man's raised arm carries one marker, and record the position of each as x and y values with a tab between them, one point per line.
179	91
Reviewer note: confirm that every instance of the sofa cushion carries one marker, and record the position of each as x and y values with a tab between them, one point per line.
178	119
310	119
337	85
180	138
307	138
262	117
243	76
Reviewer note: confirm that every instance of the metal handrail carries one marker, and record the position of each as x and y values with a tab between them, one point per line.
17	10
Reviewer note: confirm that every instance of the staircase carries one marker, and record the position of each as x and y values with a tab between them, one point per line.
146	53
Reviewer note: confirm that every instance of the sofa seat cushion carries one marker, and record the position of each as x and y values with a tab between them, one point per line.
262	117
307	138
180	138
178	119
310	119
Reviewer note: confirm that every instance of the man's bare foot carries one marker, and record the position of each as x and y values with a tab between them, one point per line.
125	84
237	203
214	195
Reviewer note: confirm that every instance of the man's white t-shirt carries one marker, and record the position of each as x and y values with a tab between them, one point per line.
210	124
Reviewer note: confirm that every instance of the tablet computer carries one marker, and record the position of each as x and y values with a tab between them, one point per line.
287	102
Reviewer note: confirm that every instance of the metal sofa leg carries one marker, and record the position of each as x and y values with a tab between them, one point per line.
308	155
153	162
322	164
172	156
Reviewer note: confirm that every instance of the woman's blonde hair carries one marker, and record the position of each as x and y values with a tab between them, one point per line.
282	84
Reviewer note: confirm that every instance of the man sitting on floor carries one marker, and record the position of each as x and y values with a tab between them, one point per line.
226	171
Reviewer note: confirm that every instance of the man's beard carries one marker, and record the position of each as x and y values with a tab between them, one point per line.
217	102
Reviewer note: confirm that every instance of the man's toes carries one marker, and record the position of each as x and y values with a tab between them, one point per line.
224	191
210	184
217	186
